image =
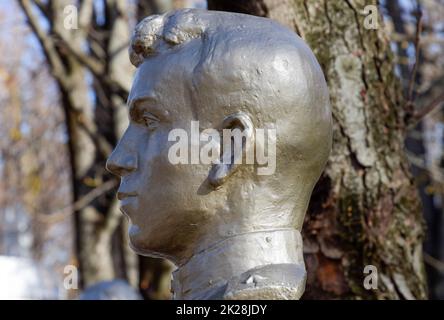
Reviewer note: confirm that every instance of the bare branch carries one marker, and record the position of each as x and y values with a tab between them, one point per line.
433	262
42	7
415	65
425	39
427	102
63	213
94	65
99	141
435	103
45	40
112	221
86	14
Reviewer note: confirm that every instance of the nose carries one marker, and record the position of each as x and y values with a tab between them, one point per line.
121	162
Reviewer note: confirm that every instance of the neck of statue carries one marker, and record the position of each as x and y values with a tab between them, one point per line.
261	264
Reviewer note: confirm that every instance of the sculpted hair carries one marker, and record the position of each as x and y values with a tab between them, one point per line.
161	32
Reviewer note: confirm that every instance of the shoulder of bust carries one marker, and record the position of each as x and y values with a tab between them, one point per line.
269	282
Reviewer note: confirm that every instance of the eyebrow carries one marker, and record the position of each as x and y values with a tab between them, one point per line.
141	100
148	103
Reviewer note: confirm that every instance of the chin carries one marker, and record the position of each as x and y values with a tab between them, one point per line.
136	242
141	246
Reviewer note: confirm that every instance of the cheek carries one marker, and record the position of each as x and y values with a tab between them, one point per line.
156	173
162	182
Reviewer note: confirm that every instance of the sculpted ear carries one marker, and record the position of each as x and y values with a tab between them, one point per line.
237	141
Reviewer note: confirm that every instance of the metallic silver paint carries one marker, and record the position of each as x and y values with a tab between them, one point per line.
232	233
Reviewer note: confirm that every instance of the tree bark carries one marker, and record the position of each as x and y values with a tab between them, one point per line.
365	208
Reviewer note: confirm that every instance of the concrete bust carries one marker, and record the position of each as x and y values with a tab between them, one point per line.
231	225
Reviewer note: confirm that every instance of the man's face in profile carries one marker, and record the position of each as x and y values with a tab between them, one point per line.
159	198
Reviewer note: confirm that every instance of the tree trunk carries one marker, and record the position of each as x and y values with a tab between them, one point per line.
365	208
93	251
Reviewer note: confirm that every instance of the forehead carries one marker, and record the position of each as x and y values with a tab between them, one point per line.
147	82
162	78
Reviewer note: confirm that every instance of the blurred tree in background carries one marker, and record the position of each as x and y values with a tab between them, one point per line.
365	209
64	112
33	136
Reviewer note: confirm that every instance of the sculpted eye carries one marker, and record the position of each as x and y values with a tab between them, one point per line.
150	120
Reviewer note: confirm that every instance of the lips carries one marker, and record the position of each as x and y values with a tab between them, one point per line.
128	201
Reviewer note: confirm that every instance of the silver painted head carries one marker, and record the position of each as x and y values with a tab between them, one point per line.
220	222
